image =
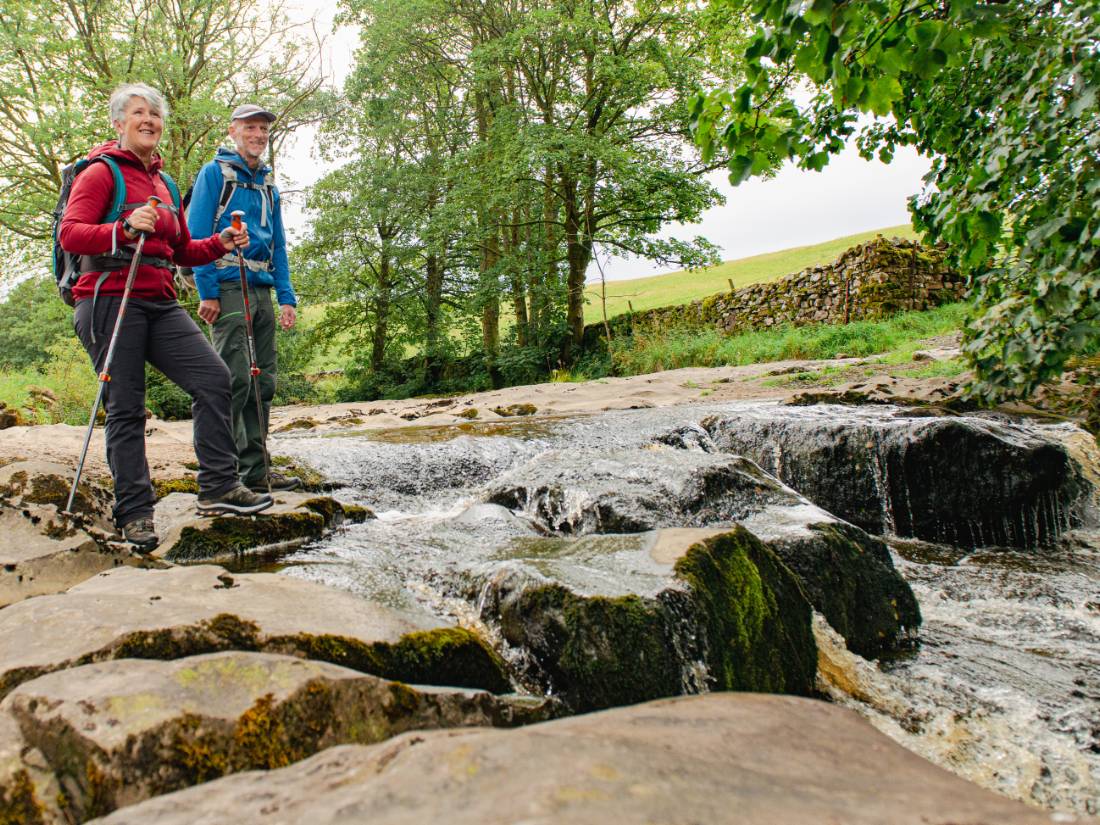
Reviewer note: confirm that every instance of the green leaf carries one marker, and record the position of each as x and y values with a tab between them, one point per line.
740	167
819	12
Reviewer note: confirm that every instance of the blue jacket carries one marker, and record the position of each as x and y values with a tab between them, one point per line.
267	238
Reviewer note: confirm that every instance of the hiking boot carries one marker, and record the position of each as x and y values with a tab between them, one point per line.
239	500
141	533
279	483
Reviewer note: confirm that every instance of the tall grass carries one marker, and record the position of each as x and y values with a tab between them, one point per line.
655	351
69	378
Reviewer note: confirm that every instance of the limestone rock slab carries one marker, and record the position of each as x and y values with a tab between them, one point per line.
41	552
183	611
632	490
743	758
25	483
115	733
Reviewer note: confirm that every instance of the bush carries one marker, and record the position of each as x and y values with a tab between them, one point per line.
166	401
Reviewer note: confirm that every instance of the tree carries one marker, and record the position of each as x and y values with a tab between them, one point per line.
1001	94
59	61
532	132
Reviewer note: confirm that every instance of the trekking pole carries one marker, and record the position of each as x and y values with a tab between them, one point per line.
253	369
105	371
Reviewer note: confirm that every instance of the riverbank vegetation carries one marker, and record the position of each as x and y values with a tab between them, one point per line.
487	156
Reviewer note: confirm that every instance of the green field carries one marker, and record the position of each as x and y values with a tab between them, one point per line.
683	286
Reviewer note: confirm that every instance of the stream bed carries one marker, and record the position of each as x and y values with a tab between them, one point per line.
1004	685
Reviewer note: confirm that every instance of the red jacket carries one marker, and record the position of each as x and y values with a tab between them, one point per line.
83	234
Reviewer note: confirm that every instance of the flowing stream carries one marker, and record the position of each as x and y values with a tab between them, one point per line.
1004	688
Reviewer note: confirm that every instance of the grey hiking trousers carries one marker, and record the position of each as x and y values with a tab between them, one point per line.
163	334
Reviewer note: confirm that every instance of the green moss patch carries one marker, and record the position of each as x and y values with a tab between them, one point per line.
516	410
756	618
166	486
312	480
234	535
450	656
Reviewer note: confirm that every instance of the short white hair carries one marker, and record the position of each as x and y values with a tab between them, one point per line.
121	96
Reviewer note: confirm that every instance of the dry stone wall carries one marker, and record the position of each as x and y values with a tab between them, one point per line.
867	282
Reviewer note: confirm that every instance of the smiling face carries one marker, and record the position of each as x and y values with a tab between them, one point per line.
140	128
250	136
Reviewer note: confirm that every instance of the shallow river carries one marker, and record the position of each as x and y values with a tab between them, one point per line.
1003	689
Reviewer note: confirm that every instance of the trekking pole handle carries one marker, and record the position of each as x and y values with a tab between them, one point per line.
237	215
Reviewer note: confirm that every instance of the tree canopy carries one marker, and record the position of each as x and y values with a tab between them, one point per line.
528	136
1001	94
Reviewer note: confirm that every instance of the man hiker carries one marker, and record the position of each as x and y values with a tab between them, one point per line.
238	180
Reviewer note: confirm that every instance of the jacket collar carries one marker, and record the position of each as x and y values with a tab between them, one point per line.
234	157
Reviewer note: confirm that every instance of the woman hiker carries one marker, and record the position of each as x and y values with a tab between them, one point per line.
155	328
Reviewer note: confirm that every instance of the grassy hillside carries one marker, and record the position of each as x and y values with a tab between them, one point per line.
681	287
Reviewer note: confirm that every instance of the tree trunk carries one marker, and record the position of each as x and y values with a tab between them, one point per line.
433	284
578	252
519	288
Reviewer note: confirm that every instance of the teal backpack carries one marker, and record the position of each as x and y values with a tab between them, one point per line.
66	265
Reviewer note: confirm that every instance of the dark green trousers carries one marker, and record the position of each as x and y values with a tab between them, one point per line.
231	344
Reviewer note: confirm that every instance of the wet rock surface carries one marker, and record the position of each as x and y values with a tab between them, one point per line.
167	614
294	519
761	760
968	482
714	613
632	490
115	733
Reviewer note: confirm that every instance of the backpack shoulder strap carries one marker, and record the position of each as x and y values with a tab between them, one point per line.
118	199
230	182
173	190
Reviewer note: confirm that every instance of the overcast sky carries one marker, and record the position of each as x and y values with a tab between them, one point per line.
795	208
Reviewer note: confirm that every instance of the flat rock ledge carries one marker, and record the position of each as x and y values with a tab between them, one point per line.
44	551
115	733
294	519
744	758
185	611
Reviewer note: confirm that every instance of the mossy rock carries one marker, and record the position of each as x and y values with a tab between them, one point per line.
336	513
469	414
514	410
730	603
117	732
757	620
226	536
312	480
299	424
34	482
166	486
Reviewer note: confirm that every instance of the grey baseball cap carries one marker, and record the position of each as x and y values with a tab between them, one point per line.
248	110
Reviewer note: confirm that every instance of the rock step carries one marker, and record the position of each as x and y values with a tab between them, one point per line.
294	519
748	758
119	732
185	611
